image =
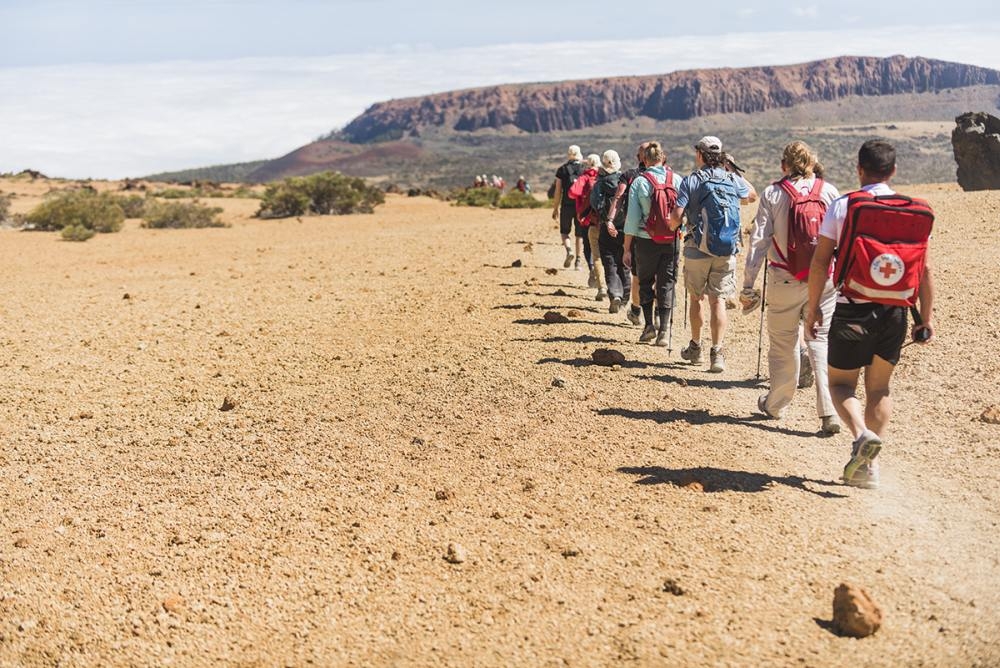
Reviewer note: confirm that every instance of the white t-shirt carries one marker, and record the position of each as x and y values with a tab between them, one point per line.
833	223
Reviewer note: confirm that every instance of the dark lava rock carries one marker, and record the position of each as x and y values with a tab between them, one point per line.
976	144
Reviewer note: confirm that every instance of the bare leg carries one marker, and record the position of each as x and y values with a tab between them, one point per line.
878	404
719	319
843	388
695	315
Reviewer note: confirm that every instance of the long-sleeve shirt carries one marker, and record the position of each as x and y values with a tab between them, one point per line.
770	227
639	194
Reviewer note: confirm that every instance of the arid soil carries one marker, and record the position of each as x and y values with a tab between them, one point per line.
391	385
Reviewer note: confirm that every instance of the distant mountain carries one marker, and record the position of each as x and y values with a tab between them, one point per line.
577	105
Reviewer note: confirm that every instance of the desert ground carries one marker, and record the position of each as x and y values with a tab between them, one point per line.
391	384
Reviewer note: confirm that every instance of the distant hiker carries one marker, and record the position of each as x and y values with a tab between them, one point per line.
565	208
880	242
711	197
522	185
478	182
784	235
619	210
651	240
611	236
580	192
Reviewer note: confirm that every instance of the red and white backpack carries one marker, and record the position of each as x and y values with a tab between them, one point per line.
883	248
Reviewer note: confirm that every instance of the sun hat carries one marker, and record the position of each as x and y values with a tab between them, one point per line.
733	165
611	161
594	160
574	153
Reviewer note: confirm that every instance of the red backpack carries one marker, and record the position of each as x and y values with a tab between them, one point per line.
804	218
661	203
580	192
883	248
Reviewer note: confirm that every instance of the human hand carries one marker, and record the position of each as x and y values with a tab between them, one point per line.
612	230
813	322
749	299
555	214
922	333
627	259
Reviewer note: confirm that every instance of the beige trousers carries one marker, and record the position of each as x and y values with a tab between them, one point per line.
594	236
786	305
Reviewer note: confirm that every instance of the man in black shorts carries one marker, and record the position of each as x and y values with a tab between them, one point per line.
565	208
864	334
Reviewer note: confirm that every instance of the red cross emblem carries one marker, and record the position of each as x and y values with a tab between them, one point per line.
888	270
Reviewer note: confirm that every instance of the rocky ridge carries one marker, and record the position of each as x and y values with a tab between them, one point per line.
575	105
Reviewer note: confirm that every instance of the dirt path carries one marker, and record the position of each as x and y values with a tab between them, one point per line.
393	388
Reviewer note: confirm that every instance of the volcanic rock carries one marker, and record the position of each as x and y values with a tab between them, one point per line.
991	415
607	357
976	144
554	317
855	613
456	554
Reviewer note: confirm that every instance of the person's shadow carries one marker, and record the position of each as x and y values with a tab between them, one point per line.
704	416
725	480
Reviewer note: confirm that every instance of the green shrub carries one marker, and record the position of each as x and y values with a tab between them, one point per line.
134	206
99	212
76	233
477	197
519	200
323	194
181	215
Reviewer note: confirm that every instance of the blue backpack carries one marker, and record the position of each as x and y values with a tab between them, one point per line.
719	202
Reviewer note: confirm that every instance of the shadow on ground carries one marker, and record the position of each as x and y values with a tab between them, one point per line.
724	480
714	382
703	416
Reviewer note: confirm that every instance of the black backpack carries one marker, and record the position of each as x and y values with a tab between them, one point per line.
627	177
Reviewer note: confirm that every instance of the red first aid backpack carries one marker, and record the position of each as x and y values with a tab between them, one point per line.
883	248
661	203
804	218
580	192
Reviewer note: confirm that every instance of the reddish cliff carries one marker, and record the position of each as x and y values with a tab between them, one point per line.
574	105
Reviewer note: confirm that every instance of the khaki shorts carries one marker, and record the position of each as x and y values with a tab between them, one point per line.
713	276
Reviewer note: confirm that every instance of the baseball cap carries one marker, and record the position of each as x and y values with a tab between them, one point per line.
709	144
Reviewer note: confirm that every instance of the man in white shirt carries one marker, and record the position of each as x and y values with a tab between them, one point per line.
864	335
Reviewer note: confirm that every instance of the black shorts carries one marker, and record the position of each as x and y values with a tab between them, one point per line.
567	218
858	332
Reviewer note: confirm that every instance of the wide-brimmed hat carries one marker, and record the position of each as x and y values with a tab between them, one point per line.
574	153
611	161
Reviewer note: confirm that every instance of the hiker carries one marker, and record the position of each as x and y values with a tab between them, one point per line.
618	212
522	185
610	234
879	239
651	239
478	182
711	197
580	192
565	208
783	236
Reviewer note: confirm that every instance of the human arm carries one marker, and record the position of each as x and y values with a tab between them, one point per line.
557	199
925	297
627	255
620	192
683	197
819	274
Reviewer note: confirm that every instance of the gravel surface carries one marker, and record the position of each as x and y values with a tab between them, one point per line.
341	441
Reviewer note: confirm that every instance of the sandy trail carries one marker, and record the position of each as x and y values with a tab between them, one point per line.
394	393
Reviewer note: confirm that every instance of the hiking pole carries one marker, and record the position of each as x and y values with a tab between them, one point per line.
760	330
670	322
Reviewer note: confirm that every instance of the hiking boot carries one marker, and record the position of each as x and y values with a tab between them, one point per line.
592	280
761	406
616	304
601	296
634	314
692	353
648	334
805	372
662	339
830	425
576	265
569	259
863	451
718	362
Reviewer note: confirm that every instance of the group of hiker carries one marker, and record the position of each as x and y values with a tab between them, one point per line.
840	273
498	182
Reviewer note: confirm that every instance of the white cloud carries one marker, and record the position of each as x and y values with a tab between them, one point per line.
119	120
808	12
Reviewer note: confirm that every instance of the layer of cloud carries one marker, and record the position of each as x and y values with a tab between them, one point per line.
111	121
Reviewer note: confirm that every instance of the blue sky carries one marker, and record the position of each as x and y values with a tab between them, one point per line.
111	88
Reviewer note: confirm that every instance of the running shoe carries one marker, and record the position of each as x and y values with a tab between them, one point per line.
830	425
569	259
761	406
863	451
616	304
